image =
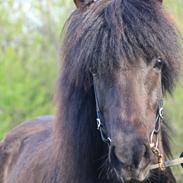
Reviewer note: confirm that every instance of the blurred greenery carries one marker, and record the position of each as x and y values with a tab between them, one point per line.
173	105
29	49
29	52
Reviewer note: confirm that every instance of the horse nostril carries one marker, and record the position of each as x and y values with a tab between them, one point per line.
112	156
147	151
140	153
121	156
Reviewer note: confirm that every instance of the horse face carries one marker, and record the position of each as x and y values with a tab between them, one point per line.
129	100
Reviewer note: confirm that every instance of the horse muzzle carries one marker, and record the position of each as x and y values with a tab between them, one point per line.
132	160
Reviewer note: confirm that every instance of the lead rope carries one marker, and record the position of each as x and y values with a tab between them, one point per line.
169	163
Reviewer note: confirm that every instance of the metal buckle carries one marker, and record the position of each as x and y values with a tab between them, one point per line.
161	112
98	123
156	151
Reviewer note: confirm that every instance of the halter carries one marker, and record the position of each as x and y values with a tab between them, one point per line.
154	145
101	124
154	140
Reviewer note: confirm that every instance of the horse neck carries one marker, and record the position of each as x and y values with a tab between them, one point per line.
80	143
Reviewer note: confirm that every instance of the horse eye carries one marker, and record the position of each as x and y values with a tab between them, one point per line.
159	63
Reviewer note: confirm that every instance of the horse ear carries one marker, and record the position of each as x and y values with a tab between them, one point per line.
82	3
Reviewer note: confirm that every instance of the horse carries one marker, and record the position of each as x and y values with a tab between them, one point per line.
120	58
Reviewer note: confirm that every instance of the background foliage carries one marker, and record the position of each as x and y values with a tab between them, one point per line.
30	36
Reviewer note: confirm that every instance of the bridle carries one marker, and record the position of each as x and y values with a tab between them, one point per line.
154	140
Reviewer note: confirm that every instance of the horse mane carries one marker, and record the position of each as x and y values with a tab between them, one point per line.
99	37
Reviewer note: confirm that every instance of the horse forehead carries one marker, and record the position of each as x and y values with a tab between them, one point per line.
135	65
134	74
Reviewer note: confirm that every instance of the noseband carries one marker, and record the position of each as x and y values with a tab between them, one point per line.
154	141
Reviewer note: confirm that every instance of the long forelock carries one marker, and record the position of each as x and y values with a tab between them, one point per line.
110	32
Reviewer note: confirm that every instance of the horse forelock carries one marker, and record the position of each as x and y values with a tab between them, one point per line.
111	32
